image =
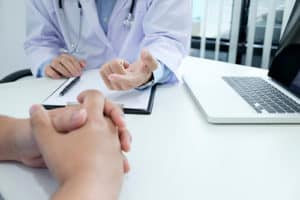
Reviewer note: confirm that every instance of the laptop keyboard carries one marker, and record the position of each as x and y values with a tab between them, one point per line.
262	96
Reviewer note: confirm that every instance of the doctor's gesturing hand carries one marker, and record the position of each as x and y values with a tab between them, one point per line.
65	66
120	75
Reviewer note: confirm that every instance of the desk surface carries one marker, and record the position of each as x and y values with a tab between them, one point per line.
176	154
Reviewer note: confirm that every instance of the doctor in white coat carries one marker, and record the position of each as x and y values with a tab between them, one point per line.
134	43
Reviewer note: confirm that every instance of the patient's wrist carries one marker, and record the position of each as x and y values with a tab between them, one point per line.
88	185
22	135
8	144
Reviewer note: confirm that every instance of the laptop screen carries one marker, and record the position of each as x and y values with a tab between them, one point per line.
285	68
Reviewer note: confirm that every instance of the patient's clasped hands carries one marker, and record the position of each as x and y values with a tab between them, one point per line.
81	143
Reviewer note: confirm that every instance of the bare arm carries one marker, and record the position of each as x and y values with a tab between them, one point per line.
17	142
88	187
9	128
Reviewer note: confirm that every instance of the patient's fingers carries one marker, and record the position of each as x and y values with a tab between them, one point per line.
68	119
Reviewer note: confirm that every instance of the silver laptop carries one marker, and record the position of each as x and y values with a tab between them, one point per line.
235	94
232	94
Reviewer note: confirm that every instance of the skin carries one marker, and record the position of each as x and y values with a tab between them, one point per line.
16	138
20	134
65	66
117	74
120	75
18	144
96	172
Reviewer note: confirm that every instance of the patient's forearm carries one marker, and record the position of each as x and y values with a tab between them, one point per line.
8	130
88	188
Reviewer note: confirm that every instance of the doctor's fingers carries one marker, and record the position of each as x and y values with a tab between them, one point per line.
57	66
126	82
73	68
117	66
105	72
70	68
149	61
51	73
82	63
114	85
76	64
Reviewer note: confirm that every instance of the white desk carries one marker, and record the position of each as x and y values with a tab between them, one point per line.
176	154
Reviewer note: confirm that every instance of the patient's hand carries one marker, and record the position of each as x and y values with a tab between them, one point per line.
87	162
64	120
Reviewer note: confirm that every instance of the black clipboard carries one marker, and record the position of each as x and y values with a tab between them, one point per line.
131	111
148	111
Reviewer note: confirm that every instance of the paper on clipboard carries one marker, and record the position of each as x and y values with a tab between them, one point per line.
132	99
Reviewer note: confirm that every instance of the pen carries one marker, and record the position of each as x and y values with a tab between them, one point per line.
69	86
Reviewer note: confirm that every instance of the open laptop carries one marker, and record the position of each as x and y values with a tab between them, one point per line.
235	94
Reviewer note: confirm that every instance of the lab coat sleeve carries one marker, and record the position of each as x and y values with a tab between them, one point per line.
161	75
167	27
43	39
41	69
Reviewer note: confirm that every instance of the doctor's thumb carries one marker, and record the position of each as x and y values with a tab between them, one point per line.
149	60
82	63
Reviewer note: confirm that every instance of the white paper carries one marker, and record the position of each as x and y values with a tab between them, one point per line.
132	99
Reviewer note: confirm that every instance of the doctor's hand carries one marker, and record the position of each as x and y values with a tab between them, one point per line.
88	162
65	66
119	75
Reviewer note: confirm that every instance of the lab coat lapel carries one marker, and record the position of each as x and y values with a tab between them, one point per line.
90	11
118	7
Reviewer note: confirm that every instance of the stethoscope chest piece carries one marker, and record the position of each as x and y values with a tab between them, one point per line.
128	21
130	17
74	44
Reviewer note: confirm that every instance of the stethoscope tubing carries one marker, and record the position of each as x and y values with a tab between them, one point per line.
74	47
60	5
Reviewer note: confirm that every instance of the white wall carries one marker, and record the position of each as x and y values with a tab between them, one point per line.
12	34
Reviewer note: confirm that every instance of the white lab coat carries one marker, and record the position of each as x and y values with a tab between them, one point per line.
161	26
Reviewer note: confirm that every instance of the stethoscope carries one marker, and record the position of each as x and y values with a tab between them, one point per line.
130	17
74	45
